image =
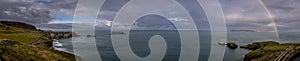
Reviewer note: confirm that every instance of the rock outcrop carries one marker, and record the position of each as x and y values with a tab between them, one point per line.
60	35
47	39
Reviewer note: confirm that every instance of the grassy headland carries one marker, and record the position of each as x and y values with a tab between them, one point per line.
16	44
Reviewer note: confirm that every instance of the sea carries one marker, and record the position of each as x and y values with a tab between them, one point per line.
139	43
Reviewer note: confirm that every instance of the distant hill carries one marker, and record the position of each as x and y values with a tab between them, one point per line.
18	24
251	31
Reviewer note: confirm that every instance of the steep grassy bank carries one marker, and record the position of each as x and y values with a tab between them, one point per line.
16	44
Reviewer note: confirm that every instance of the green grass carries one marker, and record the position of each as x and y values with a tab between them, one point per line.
262	55
18	34
277	47
21	37
23	52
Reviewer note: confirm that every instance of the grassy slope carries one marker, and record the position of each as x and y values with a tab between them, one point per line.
18	34
26	52
269	52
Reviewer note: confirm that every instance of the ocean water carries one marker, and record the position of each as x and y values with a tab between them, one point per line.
139	43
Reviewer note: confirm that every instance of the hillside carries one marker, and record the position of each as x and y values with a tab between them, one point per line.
16	43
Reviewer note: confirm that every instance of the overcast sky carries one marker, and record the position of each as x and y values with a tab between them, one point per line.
239	14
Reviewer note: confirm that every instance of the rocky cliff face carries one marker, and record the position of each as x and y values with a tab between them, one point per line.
18	24
60	35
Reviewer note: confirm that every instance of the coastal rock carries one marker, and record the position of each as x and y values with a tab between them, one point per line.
232	45
117	33
222	43
60	35
88	35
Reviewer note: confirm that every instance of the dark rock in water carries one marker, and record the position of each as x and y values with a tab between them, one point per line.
18	24
232	45
115	33
88	35
257	45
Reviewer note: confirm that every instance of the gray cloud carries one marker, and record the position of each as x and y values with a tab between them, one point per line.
240	14
37	12
60	6
253	16
111	8
55	26
287	13
24	12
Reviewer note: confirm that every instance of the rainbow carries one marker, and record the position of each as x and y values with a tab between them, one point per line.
271	16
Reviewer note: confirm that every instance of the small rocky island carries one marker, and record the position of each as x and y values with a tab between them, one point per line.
270	51
117	33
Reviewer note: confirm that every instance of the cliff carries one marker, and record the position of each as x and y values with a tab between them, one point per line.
60	35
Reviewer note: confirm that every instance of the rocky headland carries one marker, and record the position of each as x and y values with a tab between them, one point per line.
21	41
